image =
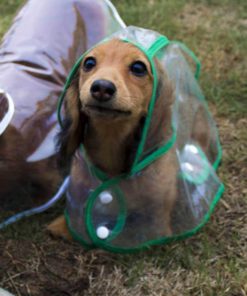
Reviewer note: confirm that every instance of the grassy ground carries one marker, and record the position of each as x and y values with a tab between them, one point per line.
212	263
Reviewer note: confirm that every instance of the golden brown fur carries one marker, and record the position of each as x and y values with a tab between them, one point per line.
110	140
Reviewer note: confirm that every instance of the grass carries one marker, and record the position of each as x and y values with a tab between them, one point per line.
221	27
212	263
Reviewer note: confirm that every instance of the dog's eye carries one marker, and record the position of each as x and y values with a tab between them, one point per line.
89	64
138	68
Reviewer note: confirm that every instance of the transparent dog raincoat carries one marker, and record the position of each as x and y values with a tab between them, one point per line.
126	213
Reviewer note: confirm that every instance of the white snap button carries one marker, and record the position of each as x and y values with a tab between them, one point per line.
187	167
102	232
105	197
191	148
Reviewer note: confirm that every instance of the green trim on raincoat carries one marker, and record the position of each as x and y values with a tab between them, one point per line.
138	164
101	243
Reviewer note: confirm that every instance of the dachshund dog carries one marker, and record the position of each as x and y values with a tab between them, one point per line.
105	108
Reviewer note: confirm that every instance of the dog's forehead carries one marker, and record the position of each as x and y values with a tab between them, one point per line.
118	49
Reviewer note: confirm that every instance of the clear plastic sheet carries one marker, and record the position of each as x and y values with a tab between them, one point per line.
36	55
130	212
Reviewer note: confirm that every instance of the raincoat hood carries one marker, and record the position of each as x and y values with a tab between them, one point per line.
118	214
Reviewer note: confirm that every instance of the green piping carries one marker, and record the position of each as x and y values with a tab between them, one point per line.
164	240
75	235
90	203
157	45
69	79
121	217
137	165
192	55
161	42
95	171
219	156
159	152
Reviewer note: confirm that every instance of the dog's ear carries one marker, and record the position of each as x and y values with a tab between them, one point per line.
165	90
160	127
162	113
73	125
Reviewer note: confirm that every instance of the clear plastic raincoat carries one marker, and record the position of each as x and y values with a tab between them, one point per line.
113	213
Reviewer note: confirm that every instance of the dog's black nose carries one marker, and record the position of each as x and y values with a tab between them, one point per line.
103	90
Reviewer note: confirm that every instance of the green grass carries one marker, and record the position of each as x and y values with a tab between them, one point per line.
215	31
7	11
212	263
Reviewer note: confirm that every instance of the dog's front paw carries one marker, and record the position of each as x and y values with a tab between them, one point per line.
58	228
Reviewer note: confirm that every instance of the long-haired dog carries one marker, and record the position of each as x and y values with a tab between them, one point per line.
105	108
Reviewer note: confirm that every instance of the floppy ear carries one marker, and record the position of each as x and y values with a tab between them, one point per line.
160	128
73	125
165	89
